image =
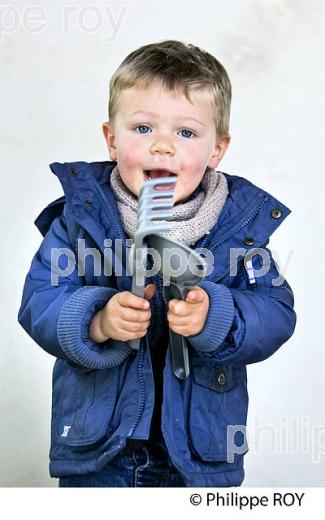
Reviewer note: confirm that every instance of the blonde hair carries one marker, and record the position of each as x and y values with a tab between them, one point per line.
179	67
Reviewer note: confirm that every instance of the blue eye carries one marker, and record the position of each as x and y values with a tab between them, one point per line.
142	129
186	133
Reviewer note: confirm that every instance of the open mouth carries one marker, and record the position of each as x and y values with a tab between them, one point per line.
157	174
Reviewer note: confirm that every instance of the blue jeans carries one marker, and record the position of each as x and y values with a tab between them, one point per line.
139	464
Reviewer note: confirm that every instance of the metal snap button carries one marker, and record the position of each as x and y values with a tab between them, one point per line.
88	202
276	213
249	241
219	378
73	172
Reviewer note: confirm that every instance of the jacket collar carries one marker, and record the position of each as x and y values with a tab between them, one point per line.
248	219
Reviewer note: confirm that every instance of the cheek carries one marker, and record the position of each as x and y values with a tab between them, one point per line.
195	166
196	157
128	155
199	163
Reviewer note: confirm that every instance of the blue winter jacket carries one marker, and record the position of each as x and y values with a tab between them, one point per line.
104	393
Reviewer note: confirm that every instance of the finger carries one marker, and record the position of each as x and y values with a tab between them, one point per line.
149	291
127	334
178	321
195	295
182	331
134	315
182	325
128	299
179	308
131	326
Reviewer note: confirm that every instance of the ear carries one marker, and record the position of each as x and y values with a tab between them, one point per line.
219	151
110	139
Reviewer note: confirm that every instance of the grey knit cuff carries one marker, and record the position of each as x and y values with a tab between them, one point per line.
73	330
219	319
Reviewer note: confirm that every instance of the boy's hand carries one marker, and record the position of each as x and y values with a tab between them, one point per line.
188	317
124	317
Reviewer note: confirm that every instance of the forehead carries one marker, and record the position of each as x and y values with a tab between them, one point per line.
157	99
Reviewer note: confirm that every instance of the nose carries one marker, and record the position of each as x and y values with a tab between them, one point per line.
163	145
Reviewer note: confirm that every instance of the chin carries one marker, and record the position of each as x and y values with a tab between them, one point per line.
180	198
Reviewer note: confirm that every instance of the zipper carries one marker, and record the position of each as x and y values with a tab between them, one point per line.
109	210
142	392
142	399
140	365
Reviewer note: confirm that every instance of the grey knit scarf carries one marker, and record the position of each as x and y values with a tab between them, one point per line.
191	219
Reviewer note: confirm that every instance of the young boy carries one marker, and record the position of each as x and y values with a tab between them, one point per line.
120	417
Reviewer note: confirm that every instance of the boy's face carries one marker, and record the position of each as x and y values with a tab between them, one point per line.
155	129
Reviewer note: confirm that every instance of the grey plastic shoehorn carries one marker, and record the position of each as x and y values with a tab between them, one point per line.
180	267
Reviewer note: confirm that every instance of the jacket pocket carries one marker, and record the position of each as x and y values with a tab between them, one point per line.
82	404
218	411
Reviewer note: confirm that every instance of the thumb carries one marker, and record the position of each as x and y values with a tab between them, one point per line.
195	295
149	291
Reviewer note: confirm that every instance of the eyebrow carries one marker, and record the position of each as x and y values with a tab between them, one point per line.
151	114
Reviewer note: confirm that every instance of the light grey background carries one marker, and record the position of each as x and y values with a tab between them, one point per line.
54	92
